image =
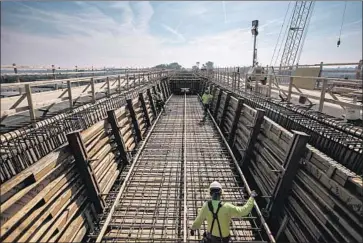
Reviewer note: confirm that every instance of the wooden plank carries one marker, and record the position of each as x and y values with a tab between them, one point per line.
81	233
16	202
100	169
64	221
39	200
49	210
111	182
126	128
100	155
91	132
71	228
40	232
109	173
38	170
92	150
85	170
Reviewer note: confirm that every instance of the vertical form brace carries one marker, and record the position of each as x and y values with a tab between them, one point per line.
154	88
232	132
70	97
93	90
108	87
282	227
28	91
256	127
169	88
127	81
119	84
166	88
215	112
111	117
291	165
160	89
151	102
322	95
202	87
85	170
134	119
225	109
162	86
213	93
214	90
146	113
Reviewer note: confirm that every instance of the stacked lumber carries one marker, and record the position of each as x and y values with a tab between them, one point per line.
125	125
140	116
102	154
226	124
47	202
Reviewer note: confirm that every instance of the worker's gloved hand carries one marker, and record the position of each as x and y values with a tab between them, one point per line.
254	194
192	232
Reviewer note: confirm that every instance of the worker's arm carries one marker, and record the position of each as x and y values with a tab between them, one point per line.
236	211
200	218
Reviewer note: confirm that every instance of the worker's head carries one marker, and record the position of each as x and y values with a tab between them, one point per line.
215	190
206	91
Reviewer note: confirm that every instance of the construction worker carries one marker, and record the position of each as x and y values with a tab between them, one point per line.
206	100
159	101
219	215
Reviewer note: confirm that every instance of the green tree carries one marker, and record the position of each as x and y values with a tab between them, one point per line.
209	65
173	65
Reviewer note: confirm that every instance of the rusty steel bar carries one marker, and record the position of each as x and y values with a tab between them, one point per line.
185	222
166	185
259	213
129	174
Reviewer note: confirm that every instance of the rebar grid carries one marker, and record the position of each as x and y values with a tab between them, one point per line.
341	141
208	161
22	148
151	208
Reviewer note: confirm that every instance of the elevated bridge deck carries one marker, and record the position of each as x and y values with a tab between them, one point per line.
169	182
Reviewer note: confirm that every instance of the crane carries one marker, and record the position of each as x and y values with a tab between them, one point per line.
296	33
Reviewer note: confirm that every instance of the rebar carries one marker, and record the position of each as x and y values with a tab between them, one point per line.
169	182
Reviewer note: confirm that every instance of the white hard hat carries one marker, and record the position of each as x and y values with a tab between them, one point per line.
215	185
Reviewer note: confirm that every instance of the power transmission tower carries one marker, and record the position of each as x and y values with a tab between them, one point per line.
295	37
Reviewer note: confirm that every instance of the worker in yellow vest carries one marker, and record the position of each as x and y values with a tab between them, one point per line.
219	215
206	100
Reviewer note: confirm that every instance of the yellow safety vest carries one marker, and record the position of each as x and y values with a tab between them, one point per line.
226	212
207	98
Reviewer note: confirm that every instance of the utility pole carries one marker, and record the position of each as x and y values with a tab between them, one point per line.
254	31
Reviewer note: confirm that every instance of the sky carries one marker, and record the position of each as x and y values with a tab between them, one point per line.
144	34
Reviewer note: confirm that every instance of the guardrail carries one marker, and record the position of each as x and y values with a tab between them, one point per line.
25	146
71	90
325	92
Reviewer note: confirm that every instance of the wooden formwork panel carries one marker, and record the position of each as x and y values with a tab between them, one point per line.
325	203
221	107
215	99
126	127
38	204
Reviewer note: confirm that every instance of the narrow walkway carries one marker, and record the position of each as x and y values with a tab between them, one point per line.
152	204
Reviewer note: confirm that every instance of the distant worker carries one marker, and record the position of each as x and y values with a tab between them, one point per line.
159	101
206	100
219	215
